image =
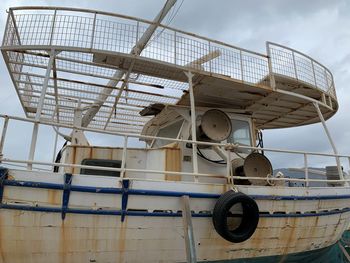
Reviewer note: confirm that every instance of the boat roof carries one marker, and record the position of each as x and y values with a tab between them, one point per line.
278	89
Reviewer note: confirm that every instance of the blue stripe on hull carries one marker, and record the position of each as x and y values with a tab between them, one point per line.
331	254
113	190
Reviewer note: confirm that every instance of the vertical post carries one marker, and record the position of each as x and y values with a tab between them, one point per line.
122	173
272	77
188	229
137	31
210	65
93	31
241	61
45	84
193	125
3	135
6	33
340	171
313	72
295	65
175	47
55	145
228	164
53	26
306	171
32	145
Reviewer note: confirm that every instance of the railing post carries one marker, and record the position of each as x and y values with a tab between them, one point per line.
3	135
340	171
93	31
272	77
228	164
122	173
55	145
137	32
6	33
193	125
295	66
210	66
33	145
241	62
313	72
306	170
175	47
53	26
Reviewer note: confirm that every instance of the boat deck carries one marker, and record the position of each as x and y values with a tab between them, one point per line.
89	48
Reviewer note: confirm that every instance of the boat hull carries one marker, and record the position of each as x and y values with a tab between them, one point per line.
141	221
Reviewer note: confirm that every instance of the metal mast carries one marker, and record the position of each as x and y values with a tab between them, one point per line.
136	50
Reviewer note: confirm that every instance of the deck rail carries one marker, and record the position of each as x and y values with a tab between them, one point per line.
88	30
123	169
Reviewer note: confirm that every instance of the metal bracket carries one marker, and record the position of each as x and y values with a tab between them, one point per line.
3	177
66	193
125	197
188	229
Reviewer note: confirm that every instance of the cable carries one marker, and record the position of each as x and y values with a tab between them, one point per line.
58	158
260	141
169	20
209	160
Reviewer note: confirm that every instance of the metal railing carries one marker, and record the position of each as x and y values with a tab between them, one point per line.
123	169
87	30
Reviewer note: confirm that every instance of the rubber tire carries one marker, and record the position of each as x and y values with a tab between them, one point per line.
250	217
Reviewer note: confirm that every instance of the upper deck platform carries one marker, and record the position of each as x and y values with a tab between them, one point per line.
91	48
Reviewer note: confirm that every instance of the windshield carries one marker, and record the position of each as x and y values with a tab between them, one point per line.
240	133
170	131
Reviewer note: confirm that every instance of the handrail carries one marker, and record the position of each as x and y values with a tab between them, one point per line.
233	63
149	137
123	169
84	10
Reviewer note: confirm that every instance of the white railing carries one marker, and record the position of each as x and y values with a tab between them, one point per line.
87	30
123	169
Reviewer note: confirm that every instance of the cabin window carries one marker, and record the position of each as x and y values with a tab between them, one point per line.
170	131
240	133
101	163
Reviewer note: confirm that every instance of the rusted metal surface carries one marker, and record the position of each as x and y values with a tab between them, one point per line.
27	236
35	237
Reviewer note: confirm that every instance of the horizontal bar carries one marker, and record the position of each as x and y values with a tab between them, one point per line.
147	192
53	8
153	214
167	139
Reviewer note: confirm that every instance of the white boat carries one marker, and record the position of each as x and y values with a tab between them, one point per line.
200	187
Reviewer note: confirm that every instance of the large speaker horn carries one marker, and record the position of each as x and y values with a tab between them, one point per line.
215	126
257	165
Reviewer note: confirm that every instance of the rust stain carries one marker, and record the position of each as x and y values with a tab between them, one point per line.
173	163
122	239
289	236
53	197
64	242
90	153
2	258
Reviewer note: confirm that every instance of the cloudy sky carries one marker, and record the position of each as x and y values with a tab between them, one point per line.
318	28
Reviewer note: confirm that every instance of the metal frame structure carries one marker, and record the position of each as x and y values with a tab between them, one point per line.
94	71
104	50
126	136
55	49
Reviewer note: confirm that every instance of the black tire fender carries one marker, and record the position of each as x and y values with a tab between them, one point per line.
250	216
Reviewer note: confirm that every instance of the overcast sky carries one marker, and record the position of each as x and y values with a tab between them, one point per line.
319	28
